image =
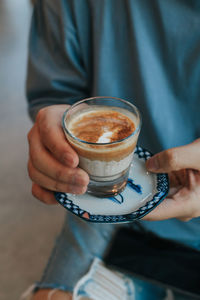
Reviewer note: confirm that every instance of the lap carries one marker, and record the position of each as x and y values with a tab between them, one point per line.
75	248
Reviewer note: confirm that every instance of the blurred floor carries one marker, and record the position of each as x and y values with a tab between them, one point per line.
27	227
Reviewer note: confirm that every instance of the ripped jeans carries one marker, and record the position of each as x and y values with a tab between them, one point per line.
75	249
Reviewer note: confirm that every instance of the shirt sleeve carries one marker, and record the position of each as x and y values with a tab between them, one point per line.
56	73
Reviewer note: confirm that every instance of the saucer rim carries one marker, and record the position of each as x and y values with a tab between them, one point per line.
129	218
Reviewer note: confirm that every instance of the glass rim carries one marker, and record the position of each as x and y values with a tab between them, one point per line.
96	98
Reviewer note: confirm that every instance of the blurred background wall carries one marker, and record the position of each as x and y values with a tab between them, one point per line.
27	227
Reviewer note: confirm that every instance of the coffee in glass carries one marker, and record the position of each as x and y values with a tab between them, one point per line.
104	133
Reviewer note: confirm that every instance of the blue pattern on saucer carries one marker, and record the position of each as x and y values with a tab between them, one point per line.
162	187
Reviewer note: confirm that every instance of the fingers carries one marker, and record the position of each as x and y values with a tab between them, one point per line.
46	182
52	135
183	205
183	164
165	210
175	159
170	209
43	195
52	161
43	161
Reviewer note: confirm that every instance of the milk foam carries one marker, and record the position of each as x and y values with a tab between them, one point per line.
105	137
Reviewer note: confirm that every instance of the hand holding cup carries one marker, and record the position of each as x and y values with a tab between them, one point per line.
53	163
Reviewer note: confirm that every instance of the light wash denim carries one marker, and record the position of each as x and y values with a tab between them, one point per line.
75	249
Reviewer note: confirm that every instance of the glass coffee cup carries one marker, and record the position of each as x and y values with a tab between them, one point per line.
104	132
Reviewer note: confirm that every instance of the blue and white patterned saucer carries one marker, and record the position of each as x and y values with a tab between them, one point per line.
144	191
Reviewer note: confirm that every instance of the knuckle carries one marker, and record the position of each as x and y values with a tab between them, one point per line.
40	195
30	171
40	115
45	128
59	175
33	155
56	187
29	136
31	133
64	158
70	189
54	148
171	157
34	192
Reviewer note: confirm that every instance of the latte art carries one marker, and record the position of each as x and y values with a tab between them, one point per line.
102	126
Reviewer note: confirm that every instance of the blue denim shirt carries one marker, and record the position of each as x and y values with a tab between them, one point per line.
147	52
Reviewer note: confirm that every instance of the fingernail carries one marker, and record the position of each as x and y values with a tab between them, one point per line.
77	190
82	179
152	164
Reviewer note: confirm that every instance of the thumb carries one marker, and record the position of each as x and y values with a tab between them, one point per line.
174	159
